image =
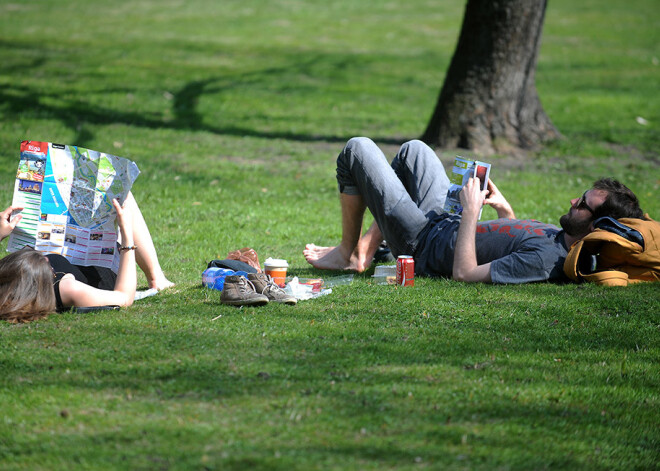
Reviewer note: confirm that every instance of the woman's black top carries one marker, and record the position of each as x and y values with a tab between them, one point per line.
98	277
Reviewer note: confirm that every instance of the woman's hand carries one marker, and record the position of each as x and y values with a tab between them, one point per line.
498	202
7	224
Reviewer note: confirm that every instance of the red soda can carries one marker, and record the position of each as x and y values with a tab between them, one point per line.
405	270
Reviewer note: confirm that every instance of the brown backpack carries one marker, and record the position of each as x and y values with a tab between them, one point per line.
617	252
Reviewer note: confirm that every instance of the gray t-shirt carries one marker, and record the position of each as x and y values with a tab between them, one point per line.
520	251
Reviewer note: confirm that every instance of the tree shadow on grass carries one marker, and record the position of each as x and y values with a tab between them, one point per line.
76	112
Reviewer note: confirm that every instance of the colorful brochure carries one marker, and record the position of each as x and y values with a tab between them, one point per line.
463	170
66	193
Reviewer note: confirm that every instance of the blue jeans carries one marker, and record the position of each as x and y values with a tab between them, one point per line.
403	197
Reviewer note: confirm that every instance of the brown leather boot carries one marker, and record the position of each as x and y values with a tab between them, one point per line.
238	291
264	284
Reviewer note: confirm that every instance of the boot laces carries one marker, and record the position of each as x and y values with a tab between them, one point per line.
243	285
270	286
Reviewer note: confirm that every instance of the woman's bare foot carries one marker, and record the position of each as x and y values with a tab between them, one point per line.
160	283
335	258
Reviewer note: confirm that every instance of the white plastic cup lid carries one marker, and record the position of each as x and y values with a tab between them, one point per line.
275	263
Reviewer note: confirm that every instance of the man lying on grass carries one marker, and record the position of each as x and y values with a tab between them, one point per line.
407	200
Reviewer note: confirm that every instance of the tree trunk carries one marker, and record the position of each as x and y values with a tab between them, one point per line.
489	101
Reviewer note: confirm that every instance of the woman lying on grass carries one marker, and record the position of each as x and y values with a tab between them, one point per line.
33	285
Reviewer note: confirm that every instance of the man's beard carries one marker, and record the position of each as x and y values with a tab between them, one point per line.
574	228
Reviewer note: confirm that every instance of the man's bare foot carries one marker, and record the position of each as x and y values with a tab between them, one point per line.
314	252
334	258
160	283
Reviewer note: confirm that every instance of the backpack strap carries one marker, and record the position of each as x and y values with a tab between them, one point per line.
571	262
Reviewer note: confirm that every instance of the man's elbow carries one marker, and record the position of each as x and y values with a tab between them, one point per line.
459	275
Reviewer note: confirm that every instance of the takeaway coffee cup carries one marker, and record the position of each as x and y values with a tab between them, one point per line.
276	268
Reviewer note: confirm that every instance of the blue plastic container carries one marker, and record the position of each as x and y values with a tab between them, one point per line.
214	277
209	276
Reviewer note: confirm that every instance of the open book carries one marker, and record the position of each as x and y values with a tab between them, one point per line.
463	170
66	194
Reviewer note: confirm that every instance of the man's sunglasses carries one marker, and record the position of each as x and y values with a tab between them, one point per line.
582	203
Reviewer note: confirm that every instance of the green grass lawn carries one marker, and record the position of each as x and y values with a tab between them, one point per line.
235	113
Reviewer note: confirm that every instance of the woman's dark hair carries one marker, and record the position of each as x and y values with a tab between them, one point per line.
26	286
621	202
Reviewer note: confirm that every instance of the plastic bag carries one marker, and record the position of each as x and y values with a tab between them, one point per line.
246	255
304	291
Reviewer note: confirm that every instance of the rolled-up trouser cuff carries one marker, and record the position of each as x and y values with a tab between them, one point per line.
348	189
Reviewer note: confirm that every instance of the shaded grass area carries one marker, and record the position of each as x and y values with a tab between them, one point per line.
235	113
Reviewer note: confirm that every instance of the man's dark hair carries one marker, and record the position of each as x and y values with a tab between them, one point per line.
621	202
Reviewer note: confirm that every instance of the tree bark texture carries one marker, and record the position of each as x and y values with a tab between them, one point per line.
489	101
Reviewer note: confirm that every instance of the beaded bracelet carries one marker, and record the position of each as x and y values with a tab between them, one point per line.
127	247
